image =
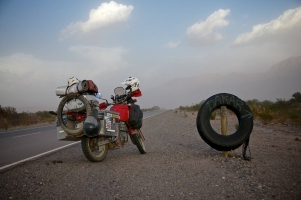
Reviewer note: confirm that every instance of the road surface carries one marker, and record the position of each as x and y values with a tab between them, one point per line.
18	145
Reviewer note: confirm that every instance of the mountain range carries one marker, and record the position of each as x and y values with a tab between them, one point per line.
279	82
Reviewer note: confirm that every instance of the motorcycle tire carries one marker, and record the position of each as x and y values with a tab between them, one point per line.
242	112
71	129
92	150
137	139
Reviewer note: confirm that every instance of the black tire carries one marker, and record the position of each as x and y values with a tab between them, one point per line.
137	139
91	148
242	112
60	112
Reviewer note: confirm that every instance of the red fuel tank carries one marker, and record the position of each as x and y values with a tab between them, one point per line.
123	110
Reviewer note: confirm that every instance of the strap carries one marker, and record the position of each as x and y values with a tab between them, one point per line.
244	150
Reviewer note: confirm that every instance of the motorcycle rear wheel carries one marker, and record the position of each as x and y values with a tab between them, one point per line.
137	138
92	150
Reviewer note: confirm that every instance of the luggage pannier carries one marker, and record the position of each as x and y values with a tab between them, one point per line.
136	116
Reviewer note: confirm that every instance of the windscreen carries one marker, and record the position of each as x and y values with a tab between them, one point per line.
119	91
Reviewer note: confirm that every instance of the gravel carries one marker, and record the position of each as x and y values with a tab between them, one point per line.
178	165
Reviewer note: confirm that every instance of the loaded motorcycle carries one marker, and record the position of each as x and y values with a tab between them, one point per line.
81	117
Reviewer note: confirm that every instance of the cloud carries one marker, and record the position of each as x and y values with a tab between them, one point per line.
25	72
105	15
286	28
204	32
104	58
172	45
27	81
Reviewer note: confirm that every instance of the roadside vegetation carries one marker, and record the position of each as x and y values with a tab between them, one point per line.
9	117
193	107
281	111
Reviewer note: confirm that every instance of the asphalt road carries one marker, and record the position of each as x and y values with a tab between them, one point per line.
19	145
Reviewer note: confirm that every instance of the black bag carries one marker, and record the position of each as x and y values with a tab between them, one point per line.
136	115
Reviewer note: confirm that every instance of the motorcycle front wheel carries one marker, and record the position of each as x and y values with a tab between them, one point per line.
137	139
92	150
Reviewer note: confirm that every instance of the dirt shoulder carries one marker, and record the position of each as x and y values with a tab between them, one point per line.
178	165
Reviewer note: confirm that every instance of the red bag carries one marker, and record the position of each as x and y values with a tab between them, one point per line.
92	86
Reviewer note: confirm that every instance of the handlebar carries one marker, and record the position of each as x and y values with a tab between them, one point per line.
117	100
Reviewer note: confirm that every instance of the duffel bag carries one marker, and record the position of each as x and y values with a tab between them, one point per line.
92	86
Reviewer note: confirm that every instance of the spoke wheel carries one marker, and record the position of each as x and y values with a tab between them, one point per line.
92	150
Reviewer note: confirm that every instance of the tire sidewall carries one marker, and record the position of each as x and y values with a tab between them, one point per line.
137	140
88	152
74	132
242	112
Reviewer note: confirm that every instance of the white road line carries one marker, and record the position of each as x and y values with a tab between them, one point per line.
51	151
36	156
26	135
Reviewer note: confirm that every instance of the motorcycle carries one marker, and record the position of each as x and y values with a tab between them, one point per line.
81	117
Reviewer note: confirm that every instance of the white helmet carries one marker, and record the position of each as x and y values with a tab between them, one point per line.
72	81
134	82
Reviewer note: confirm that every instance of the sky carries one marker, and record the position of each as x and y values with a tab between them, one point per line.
44	43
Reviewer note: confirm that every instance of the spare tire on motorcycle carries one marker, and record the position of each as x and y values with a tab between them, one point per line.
136	116
70	104
242	112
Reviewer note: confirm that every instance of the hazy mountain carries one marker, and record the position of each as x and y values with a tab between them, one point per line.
281	81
